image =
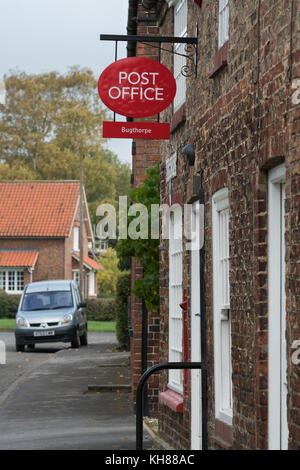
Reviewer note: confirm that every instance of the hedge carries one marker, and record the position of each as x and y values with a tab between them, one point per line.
97	309
101	309
7	301
122	296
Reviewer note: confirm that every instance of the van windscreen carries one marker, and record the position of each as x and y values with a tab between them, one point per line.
49	300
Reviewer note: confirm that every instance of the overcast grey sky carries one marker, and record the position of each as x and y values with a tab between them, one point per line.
44	35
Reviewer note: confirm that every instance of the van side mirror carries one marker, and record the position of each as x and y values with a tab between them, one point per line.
82	305
13	309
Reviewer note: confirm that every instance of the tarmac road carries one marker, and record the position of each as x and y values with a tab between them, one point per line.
45	403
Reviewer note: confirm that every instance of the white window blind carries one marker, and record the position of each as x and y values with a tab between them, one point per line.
223	22
221	296
180	30
175	298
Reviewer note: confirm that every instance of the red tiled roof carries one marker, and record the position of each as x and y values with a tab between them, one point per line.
18	258
37	208
89	262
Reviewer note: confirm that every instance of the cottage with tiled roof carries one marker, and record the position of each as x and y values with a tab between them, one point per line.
39	235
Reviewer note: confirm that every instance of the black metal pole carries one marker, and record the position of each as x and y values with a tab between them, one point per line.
140	388
203	330
116	58
144	354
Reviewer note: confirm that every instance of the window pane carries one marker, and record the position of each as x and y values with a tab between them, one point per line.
180	30
223	22
11	280
175	298
2	280
76	238
20	280
222	322
224	257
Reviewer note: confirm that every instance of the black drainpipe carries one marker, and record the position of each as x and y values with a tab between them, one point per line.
145	354
131	30
132	27
131	52
203	327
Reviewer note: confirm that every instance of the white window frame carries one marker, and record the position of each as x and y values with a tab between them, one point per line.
221	299
7	280
175	298
277	370
76	238
180	30
223	22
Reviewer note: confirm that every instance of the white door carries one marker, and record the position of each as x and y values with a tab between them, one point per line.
278	425
196	413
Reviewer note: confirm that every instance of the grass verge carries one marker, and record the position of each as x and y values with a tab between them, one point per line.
102	326
7	323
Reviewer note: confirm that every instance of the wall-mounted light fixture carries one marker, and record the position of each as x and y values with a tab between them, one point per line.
189	151
148	4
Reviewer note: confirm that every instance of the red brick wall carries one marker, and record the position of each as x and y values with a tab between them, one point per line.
51	259
242	122
54	259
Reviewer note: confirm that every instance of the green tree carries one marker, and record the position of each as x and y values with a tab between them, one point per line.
145	250
49	120
107	279
123	172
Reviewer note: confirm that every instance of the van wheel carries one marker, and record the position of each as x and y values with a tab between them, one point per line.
84	338
20	347
75	343
31	346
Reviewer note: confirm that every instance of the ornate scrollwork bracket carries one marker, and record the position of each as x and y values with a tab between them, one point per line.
191	47
190	68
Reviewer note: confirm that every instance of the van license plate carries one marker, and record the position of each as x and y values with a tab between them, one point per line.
44	333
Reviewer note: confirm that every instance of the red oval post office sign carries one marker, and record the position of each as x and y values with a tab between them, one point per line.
137	87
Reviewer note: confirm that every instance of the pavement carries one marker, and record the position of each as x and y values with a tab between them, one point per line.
60	398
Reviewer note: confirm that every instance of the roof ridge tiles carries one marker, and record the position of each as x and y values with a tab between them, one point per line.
38	181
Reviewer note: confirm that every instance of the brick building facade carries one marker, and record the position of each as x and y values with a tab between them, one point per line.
39	235
240	114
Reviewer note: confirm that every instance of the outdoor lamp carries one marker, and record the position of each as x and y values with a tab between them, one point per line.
148	4
189	152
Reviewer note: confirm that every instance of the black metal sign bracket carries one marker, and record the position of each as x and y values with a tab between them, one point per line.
191	47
